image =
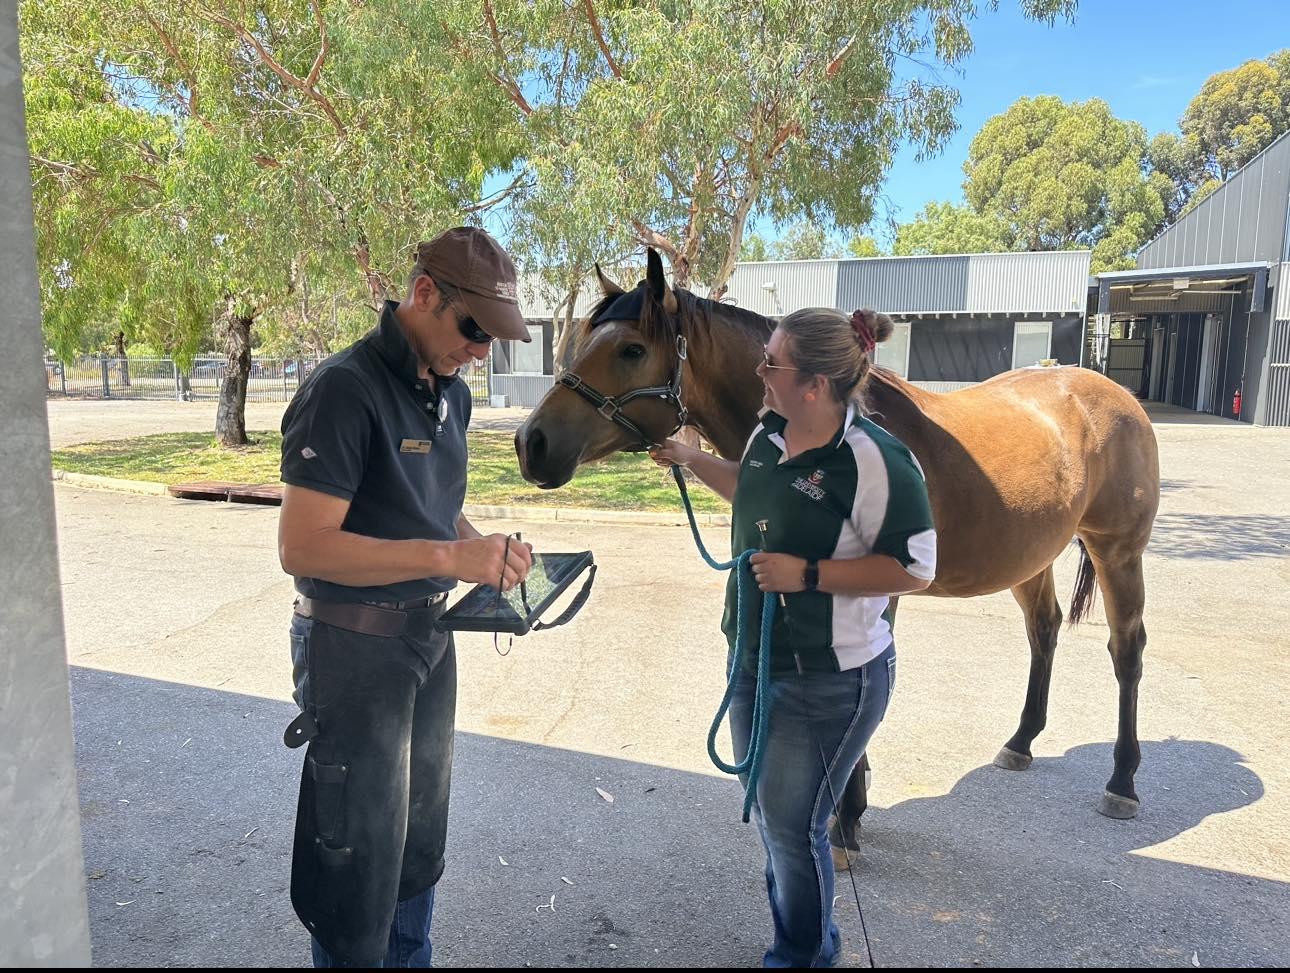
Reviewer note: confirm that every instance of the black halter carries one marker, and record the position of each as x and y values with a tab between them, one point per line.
611	406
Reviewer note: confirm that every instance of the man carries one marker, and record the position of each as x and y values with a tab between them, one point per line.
374	462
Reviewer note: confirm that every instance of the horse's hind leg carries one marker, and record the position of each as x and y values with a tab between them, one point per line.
1123	593
1038	600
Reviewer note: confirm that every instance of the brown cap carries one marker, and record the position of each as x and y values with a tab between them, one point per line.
472	261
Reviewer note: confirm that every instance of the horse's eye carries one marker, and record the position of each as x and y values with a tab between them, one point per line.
634	352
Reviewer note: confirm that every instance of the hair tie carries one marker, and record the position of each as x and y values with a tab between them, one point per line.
863	331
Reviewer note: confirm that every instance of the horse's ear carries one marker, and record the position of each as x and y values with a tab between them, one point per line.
607	286
656	281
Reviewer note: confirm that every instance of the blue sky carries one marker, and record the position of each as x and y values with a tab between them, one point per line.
1147	60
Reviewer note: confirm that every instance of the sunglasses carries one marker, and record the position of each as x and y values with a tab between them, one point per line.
470	330
765	359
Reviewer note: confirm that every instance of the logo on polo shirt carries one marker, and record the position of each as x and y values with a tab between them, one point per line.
756	462
817	476
810	487
308	453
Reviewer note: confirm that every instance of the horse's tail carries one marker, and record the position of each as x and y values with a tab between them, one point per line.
1085	586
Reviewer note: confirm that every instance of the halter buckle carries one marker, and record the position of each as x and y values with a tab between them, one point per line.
611	406
570	380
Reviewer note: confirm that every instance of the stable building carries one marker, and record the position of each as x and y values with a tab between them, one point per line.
1203	322
960	319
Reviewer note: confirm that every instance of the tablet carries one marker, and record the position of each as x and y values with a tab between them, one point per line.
518	611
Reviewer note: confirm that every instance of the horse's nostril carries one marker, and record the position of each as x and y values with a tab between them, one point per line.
535	444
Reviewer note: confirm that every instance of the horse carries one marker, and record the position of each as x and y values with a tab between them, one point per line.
1016	467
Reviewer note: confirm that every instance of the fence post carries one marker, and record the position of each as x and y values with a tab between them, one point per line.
62	374
107	387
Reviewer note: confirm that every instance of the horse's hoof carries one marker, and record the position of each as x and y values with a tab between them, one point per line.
841	863
1120	808
1011	760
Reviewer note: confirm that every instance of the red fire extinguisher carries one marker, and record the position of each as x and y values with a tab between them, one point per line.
1236	403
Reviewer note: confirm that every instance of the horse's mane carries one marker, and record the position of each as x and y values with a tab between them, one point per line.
693	312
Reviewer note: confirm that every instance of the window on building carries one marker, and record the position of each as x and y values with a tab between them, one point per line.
894	352
1031	342
526	359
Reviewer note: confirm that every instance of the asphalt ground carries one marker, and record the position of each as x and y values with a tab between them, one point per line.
176	615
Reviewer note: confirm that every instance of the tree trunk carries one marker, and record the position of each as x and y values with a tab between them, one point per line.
564	332
230	419
122	363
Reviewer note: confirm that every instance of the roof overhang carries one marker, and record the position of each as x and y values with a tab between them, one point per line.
1167	283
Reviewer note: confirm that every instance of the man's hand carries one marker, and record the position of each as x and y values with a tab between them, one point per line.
480	560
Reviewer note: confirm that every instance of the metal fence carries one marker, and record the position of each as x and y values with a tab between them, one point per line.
271	379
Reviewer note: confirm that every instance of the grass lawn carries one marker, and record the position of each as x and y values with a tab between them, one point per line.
625	481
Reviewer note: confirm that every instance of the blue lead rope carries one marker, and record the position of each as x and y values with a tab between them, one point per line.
751	764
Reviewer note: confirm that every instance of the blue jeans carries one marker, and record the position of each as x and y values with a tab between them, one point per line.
833	712
409	936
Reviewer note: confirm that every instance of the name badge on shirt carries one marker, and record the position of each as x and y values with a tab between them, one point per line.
415	446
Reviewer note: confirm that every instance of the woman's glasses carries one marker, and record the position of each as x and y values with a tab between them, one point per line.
765	359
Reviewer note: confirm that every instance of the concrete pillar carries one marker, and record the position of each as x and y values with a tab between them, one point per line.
43	919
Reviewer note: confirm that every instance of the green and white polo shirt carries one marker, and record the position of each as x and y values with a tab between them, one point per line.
862	493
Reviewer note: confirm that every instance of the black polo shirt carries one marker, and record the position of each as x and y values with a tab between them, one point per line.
366	428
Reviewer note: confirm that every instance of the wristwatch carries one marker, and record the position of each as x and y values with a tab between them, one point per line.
811	575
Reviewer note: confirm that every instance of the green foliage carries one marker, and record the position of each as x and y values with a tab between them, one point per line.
1235	116
864	246
1049	175
941	228
1062	176
673	124
755	248
806	241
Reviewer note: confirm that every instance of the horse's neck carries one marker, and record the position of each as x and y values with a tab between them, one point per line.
724	394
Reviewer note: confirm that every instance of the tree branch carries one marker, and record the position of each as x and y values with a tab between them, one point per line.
497	197
316	70
86	174
306	86
500	76
600	38
190	78
839	58
652	238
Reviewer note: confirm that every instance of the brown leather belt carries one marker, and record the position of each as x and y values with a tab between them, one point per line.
383	620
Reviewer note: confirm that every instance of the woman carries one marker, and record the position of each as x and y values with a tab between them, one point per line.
837	508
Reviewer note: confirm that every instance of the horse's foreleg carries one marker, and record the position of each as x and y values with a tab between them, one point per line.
1038	600
844	830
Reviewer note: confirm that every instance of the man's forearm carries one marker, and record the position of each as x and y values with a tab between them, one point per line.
342	557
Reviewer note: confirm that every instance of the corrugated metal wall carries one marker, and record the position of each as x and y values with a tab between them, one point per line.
1281	297
988	283
1244	220
797	284
1278	395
